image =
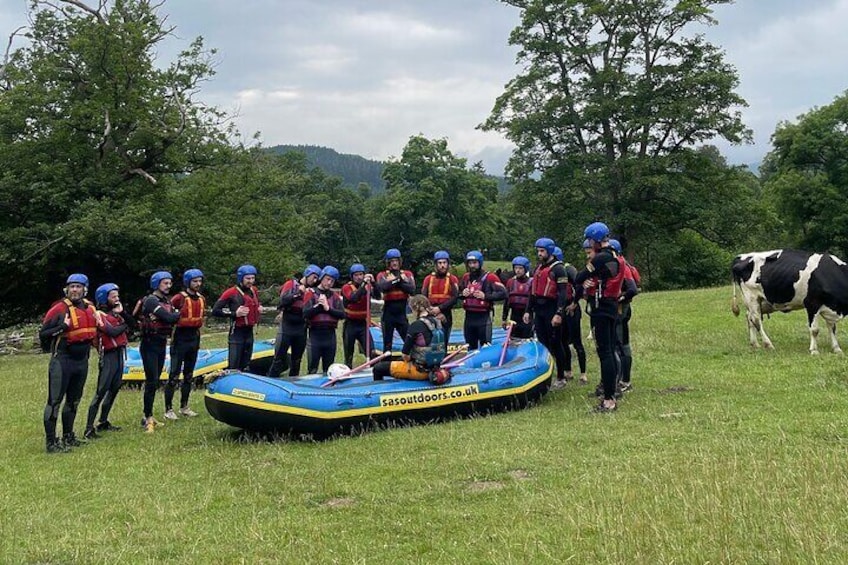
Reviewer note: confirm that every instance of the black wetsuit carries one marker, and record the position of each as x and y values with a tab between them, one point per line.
322	335
154	344
111	372
394	310
605	267
66	376
240	339
291	334
478	324
355	330
543	309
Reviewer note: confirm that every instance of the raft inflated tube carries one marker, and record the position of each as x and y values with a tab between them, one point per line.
301	406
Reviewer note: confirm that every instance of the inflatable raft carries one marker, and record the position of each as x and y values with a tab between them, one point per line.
209	362
302	406
457	339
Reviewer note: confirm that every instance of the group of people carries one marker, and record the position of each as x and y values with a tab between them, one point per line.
543	301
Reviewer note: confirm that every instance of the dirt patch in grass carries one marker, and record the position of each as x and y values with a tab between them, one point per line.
338	502
483	486
674	390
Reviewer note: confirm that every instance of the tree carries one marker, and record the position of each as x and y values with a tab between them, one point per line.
434	201
606	112
92	134
807	176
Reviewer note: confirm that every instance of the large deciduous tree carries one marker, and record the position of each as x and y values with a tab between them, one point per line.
807	176
93	129
435	201
612	100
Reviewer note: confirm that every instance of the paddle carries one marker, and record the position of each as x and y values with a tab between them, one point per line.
460	361
506	343
367	321
348	374
461	349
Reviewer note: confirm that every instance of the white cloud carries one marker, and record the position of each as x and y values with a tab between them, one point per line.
324	58
397	29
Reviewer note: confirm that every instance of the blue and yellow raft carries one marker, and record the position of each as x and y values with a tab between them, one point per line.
301	406
209	362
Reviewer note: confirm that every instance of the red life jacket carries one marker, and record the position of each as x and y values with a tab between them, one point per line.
519	292
355	310
108	343
544	285
191	309
83	326
323	319
296	307
152	324
610	288
396	294
634	274
250	300
439	289
471	304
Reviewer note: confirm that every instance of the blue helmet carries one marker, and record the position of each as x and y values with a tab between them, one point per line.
558	254
191	274
547	244
392	254
356	268
157	277
78	278
596	231
101	295
312	270
439	255
474	256
522	261
245	270
587	244
330	271
615	244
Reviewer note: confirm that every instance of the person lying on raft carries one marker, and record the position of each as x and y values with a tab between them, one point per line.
423	349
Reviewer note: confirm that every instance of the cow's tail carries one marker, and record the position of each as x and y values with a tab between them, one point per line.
734	304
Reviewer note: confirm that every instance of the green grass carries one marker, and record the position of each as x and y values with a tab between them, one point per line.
720	455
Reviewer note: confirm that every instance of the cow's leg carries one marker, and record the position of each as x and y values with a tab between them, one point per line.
753	321
830	317
758	324
813	321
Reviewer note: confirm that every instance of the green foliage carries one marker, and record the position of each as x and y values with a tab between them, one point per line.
92	136
434	201
352	169
612	99
807	176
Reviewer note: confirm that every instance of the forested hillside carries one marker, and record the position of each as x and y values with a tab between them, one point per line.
352	169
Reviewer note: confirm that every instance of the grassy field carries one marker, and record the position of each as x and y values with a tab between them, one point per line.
720	455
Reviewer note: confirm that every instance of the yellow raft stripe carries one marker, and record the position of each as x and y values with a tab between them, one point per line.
324	415
139	375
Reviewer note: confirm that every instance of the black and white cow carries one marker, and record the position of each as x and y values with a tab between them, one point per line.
787	279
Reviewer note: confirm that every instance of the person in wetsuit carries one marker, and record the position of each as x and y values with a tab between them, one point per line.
355	296
518	297
185	345
112	337
291	333
606	272
68	331
396	286
157	324
548	300
479	290
423	349
240	304
441	288
322	309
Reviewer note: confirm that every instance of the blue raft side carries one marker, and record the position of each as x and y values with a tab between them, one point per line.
207	360
528	367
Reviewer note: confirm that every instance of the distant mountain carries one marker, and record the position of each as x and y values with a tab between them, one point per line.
352	169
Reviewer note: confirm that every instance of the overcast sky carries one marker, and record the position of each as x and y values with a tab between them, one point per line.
361	76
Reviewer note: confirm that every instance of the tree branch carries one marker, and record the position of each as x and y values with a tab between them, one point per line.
8	50
96	13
